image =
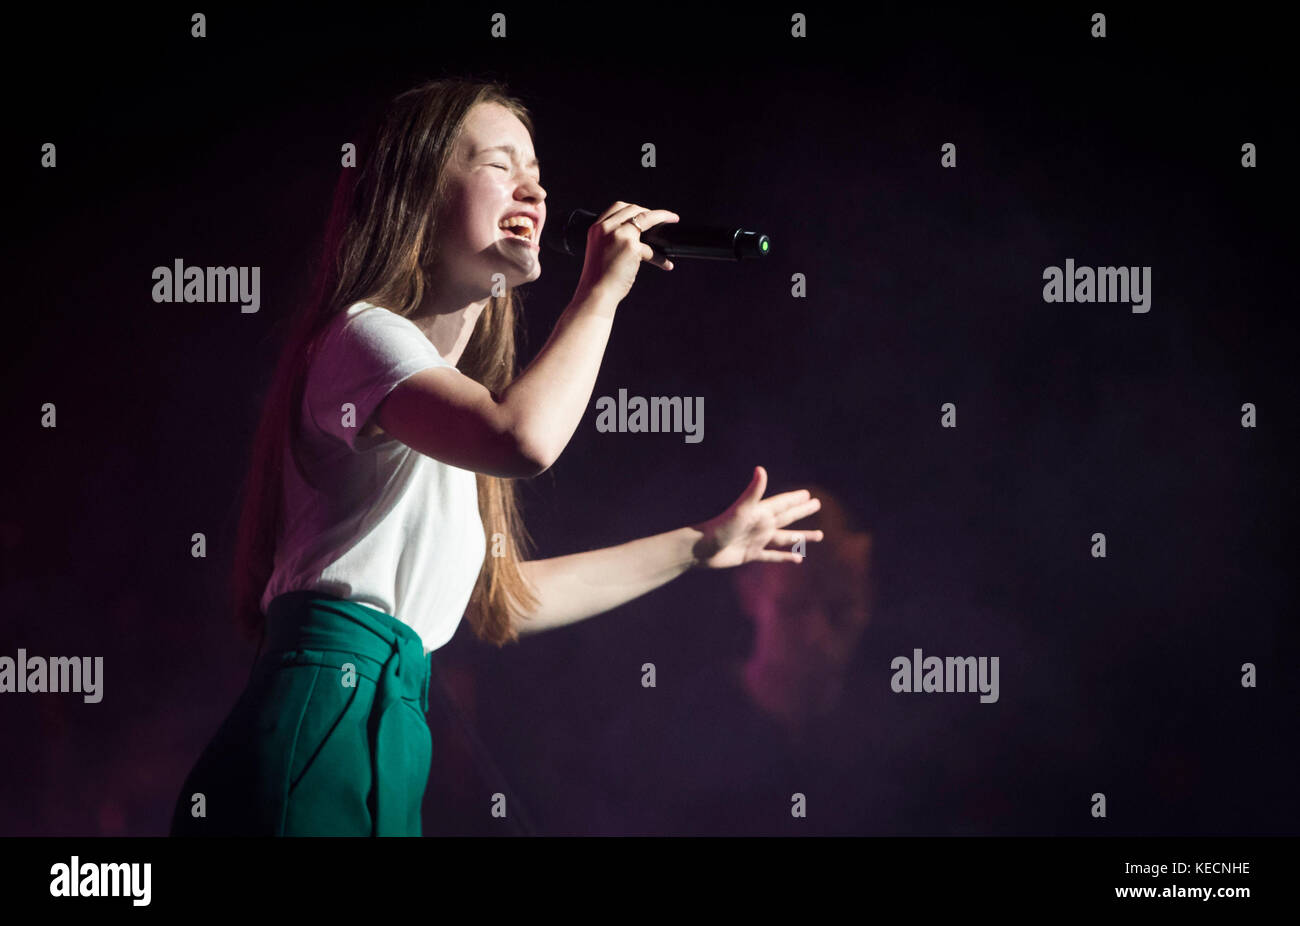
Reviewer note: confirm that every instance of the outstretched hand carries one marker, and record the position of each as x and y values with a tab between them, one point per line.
742	533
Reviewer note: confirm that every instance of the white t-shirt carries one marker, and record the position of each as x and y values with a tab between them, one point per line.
385	525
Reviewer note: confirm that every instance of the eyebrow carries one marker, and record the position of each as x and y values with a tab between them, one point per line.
511	150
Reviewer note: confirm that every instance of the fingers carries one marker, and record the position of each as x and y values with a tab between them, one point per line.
787	500
786	507
787	538
649	256
619	214
655	217
795	512
776	556
604	216
614	219
619	224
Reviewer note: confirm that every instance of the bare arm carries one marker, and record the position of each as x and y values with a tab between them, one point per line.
450	417
572	588
581	585
548	399
446	415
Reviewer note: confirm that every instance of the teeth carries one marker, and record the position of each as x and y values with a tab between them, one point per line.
520	221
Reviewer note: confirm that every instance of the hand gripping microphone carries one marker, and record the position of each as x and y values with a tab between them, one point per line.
674	240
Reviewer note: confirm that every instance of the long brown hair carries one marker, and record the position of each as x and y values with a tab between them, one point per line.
383	229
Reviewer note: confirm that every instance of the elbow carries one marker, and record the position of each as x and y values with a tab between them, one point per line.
515	451
531	449
533	457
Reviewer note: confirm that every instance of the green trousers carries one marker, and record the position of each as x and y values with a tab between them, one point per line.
329	738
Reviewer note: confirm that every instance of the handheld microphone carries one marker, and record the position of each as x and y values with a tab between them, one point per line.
671	239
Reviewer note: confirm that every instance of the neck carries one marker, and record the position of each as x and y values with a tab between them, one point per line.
447	318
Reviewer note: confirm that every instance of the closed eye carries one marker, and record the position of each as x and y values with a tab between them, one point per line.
502	166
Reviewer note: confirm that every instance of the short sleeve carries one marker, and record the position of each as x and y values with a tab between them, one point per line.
362	357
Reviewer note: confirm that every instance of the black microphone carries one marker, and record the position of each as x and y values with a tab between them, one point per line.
671	239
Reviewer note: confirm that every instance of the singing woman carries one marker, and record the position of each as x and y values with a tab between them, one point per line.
379	507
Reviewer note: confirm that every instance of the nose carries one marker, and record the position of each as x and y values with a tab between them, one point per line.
534	191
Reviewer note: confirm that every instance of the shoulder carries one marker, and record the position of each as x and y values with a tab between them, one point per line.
364	317
379	331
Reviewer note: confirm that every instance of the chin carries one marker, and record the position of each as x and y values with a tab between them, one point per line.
523	278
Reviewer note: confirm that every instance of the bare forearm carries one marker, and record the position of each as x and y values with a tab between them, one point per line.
581	585
548	399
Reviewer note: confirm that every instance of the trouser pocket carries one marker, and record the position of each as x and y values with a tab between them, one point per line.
321	734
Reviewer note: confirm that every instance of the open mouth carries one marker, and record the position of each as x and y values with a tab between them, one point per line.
519	226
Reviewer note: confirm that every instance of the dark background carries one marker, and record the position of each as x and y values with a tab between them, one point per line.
924	287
